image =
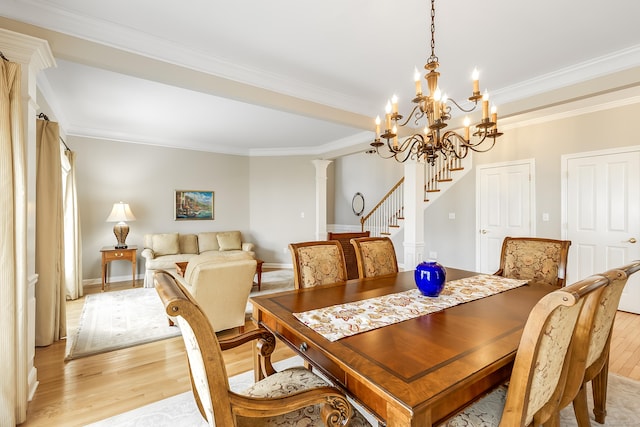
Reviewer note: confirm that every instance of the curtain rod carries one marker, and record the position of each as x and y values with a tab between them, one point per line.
44	117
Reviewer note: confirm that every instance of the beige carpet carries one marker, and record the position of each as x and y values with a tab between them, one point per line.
120	319
623	407
181	410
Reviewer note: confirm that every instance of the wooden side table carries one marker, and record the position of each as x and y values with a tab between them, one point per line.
110	253
259	272
181	268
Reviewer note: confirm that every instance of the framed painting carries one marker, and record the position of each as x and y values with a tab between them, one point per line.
190	204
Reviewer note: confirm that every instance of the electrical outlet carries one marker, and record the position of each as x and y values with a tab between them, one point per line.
433	255
285	250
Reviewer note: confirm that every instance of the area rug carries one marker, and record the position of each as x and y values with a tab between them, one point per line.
115	320
181	410
623	406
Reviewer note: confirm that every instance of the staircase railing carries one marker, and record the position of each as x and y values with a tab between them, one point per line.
386	213
440	172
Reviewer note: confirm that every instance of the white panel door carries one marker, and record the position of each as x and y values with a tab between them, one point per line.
503	209
603	217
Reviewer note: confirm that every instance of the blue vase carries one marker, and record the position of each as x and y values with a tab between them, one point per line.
430	277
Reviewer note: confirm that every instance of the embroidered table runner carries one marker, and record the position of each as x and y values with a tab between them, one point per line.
343	320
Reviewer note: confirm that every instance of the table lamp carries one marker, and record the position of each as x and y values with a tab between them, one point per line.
120	213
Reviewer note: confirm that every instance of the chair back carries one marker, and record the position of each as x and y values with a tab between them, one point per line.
532	258
207	370
540	369
317	263
348	250
221	288
375	256
600	333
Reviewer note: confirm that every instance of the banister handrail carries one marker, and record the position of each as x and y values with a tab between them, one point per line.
385	197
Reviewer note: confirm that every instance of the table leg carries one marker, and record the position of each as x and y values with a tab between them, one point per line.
133	272
104	274
259	273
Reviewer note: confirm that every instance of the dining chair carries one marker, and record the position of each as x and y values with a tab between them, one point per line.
533	258
294	396
593	365
348	250
540	368
317	263
375	256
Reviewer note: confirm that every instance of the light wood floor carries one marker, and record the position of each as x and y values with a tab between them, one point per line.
93	388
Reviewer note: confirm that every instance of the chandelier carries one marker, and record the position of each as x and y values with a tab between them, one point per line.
425	145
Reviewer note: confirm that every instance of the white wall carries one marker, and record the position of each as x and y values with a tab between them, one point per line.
146	177
282	190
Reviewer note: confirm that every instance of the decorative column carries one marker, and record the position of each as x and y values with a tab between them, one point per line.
413	214
34	55
321	198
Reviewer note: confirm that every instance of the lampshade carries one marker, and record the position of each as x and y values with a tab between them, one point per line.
120	213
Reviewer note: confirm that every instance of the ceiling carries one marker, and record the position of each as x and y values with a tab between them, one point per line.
289	77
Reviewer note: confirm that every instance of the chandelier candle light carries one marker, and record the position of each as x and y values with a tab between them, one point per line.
120	213
425	146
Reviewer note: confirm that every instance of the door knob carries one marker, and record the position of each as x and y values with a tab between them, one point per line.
483	231
632	240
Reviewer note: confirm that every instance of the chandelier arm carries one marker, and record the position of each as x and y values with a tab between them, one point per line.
475	104
410	116
478	150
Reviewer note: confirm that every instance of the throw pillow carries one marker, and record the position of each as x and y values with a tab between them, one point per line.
208	241
188	244
230	241
165	244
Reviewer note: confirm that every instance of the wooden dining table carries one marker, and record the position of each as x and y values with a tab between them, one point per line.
416	372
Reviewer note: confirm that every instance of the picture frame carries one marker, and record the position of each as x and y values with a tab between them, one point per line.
193	205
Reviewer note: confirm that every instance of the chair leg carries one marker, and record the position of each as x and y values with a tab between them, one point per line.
580	408
599	385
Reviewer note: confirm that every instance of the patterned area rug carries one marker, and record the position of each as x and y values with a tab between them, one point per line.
181	410
120	319
623	406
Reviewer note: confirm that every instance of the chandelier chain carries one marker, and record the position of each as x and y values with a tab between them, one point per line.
433	57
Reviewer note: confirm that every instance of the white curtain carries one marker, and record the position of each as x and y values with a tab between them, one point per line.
13	250
72	241
51	291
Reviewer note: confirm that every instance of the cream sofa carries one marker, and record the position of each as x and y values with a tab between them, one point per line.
221	287
163	250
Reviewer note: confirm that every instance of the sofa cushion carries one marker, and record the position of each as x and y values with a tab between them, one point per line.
210	257
167	262
188	244
230	241
165	244
208	241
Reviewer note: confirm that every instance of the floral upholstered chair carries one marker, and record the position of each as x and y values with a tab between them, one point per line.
292	397
541	365
317	263
531	258
595	365
376	256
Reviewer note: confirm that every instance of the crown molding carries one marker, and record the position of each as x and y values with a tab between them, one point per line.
26	49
